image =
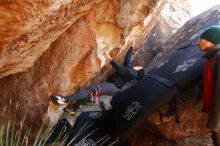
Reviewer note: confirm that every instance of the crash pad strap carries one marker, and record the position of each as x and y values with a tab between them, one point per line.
163	80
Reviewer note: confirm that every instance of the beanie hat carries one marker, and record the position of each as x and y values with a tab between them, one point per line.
211	34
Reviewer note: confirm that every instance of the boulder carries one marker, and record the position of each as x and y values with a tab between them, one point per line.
172	17
57	47
193	120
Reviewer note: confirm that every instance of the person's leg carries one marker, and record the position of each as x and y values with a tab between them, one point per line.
81	94
106	88
214	120
216	138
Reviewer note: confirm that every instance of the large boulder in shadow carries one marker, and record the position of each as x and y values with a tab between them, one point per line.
172	17
162	122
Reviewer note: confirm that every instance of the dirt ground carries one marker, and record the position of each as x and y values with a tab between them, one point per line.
145	138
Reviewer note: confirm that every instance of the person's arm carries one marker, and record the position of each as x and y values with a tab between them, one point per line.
128	57
107	56
124	71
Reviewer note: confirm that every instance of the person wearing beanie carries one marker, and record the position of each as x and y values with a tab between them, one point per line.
123	75
209	43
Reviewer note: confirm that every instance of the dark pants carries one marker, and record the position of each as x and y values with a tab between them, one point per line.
106	88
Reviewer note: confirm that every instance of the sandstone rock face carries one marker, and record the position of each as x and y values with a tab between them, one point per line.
172	17
193	120
60	45
27	29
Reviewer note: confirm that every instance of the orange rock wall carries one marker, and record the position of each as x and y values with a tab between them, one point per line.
56	47
27	29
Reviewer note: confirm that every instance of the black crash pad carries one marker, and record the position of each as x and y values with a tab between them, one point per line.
182	69
94	129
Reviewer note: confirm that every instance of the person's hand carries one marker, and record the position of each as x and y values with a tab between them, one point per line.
133	43
137	68
107	56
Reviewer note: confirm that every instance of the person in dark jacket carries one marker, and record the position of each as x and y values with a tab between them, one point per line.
210	44
123	74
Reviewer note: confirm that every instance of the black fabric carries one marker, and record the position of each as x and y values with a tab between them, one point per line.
94	128
162	80
174	109
140	74
124	73
59	131
214	116
182	68
210	53
128	57
215	67
117	80
145	97
142	99
106	88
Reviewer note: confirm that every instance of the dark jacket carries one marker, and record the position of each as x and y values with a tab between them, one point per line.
210	76
213	64
124	73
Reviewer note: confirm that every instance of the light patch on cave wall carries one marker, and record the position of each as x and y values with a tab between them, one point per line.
108	36
55	6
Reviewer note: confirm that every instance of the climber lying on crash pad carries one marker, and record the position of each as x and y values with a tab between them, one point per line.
124	74
132	105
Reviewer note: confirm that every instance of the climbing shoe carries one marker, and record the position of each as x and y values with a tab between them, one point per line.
60	100
70	110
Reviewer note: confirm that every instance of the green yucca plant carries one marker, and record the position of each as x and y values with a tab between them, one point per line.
10	137
21	137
